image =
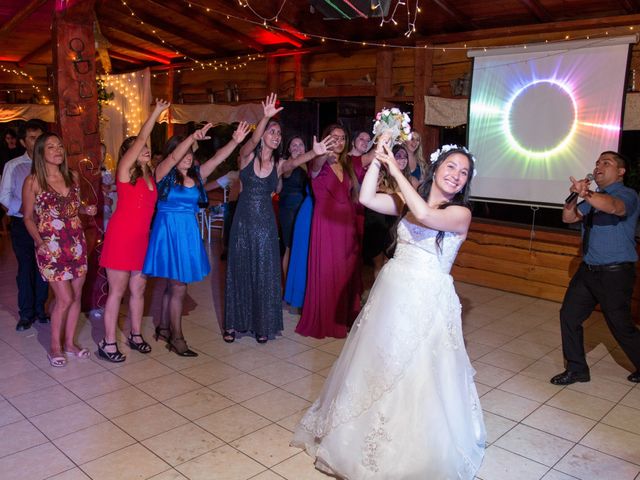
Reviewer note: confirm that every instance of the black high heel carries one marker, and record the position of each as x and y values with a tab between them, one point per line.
159	335
115	357
142	347
180	346
229	336
261	338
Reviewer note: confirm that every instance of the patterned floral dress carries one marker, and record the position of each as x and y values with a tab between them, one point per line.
61	229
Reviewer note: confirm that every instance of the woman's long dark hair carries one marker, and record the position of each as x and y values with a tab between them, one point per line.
169	147
387	180
286	154
39	169
277	153
137	170
461	198
345	162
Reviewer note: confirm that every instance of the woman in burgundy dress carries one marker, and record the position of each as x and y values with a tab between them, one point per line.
51	204
127	237
332	299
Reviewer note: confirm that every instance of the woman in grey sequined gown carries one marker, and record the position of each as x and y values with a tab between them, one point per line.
253	290
252	293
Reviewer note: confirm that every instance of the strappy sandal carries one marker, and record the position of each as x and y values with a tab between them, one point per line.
180	346
142	347
57	359
229	336
261	338
81	353
115	357
159	335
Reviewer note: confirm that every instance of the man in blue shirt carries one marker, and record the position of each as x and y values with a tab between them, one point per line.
32	289
607	273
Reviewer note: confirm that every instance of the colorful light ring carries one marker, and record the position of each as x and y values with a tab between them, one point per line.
540	154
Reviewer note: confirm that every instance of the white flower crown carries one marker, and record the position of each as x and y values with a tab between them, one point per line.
445	148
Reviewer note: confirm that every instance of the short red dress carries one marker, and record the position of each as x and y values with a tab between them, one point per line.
61	230
127	236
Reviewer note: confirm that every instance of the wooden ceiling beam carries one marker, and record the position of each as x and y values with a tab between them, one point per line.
456	14
538	10
20	16
124	58
159	24
155	56
185	11
147	37
45	47
531	29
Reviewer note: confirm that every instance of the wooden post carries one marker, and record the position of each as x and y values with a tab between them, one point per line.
76	107
384	70
273	72
298	93
422	80
171	97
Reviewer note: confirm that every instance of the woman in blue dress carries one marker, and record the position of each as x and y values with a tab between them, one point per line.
296	273
292	195
176	251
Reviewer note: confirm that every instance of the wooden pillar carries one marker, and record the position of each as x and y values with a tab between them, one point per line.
384	71
298	93
76	107
171	97
273	73
422	80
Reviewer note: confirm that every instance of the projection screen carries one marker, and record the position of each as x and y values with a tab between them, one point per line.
541	113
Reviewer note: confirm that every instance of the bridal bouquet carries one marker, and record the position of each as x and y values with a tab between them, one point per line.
392	124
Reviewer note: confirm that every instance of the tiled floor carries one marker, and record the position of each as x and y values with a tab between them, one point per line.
229	413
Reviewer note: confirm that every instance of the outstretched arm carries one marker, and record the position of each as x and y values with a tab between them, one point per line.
222	154
181	150
451	219
131	155
269	108
319	148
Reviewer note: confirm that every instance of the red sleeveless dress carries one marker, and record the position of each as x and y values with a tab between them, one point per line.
127	236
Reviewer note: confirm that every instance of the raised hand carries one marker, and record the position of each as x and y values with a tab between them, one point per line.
581	187
384	156
162	104
241	132
201	134
324	146
269	105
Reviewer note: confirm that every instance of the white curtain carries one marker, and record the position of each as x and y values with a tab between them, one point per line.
123	116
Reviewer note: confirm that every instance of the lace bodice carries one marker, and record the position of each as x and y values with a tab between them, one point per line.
419	242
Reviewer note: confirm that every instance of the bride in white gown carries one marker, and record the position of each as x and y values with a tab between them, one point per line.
400	402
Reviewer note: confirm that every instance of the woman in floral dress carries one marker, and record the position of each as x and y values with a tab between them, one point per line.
51	204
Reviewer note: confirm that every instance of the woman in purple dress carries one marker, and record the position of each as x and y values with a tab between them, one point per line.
332	299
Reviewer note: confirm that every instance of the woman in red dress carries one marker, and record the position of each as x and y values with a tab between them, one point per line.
126	239
51	204
332	299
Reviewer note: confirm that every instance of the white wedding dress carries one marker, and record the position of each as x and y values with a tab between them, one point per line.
400	402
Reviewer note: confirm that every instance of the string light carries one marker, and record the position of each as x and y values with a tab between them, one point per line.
325	38
212	64
125	88
245	4
411	20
